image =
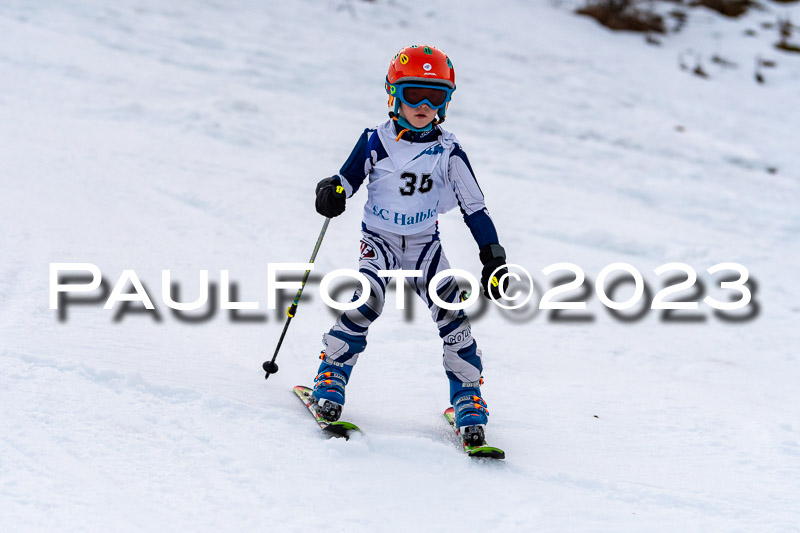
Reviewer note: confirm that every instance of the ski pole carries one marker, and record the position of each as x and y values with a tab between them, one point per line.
269	366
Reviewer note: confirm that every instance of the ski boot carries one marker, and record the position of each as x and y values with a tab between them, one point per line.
329	389
471	415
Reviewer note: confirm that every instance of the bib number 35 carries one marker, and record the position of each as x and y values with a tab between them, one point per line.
410	186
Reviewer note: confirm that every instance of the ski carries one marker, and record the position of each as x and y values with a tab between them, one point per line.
473	451
339	428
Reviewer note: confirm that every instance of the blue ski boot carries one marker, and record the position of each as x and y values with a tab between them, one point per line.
470	411
329	388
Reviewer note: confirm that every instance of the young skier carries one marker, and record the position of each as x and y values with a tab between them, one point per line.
414	171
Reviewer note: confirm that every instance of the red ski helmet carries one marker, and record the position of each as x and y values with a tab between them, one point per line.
421	74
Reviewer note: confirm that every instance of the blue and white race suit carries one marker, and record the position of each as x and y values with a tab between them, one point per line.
410	180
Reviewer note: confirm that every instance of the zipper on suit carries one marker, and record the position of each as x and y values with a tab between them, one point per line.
403	242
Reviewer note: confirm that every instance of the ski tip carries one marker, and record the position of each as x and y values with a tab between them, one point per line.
347	426
342	429
487	451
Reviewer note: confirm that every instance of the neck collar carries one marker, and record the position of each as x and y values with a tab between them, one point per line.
407	125
425	136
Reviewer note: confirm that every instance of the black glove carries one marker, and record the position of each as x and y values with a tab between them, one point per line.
493	256
330	197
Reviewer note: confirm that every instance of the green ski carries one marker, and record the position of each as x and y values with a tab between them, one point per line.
483	450
339	428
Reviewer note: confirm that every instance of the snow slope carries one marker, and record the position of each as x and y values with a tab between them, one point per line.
147	135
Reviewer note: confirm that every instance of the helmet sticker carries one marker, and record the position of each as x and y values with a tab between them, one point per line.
449	64
403	59
427	50
427	66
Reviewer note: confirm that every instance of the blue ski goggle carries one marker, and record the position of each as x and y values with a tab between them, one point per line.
416	94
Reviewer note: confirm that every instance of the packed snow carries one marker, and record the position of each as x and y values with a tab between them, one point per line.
147	136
